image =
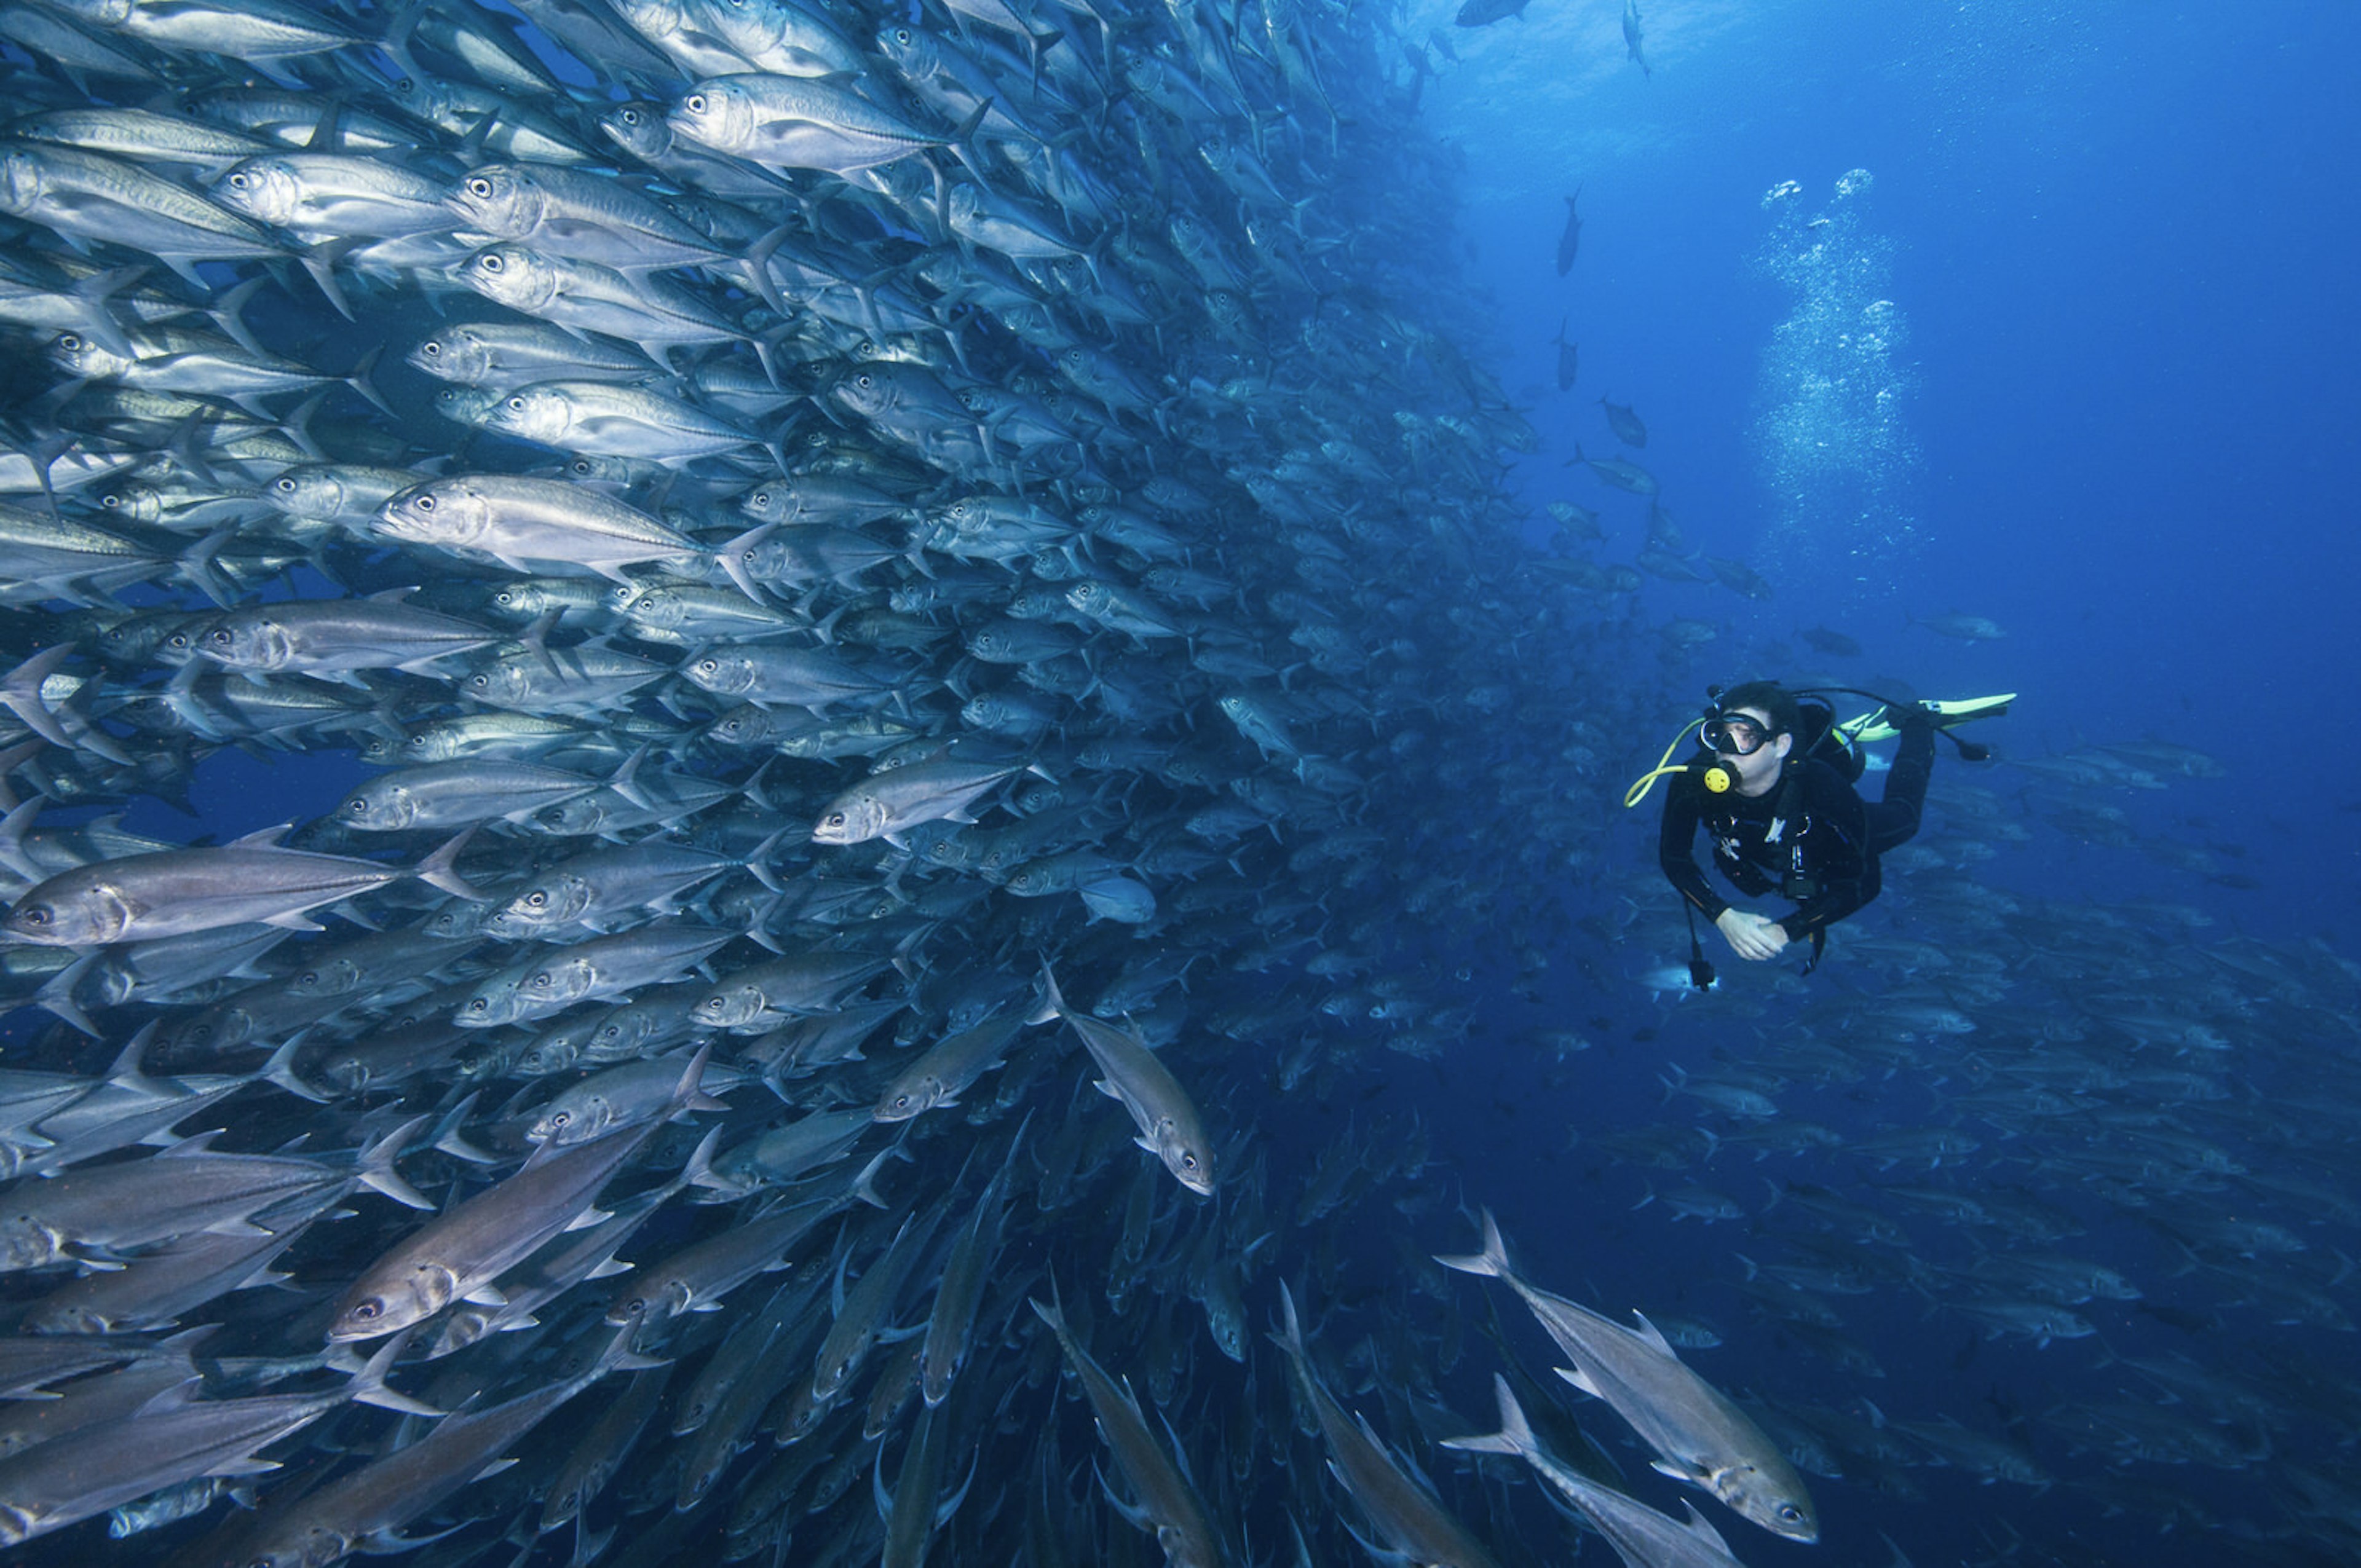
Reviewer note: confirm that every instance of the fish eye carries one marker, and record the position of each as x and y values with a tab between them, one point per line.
490	261
68	342
283	484
423	503
517	403
37	915
901	35
1189	1161
559	1118
239	182
480	186
1790	1512
693	103
836	819
430	349
368	1310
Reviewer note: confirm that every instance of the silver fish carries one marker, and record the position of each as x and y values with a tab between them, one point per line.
1699	1435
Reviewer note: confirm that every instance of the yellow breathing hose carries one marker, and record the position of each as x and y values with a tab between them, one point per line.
1647	780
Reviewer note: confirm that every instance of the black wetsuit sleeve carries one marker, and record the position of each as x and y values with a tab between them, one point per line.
1836	853
1675	851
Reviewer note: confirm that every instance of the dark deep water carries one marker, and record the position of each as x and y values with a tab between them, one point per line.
2106	233
2051	329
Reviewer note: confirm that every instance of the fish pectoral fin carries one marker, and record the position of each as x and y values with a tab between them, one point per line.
588	1217
1393	1559
236	1227
1696	1476
1581	1380
1697	1524
1135	1515
487	1296
292	922
386	1541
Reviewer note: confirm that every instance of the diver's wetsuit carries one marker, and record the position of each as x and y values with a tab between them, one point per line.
1827	860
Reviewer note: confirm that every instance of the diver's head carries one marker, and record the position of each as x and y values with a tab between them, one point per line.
1751	729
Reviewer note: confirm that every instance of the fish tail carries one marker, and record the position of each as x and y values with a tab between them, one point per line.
281	1069
441	867
368	1385
1516	1434
684	1092
1290	1337
1053	1002
20	694
1493	1260
698	1171
374	1168
1054	1314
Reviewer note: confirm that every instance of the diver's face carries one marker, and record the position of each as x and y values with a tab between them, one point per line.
1744	741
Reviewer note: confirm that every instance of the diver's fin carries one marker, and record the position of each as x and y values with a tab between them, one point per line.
1964	708
1874	725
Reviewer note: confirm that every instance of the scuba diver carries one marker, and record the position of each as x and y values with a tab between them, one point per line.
1773	785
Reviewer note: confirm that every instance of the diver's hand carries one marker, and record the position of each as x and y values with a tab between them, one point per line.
1751	936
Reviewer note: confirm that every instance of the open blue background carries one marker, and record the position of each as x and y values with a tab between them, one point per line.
2121	237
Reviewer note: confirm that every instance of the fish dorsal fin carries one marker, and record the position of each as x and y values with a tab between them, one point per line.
1653	1334
171	1397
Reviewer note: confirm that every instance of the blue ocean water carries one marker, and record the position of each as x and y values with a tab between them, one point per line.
2112	236
2027	311
2031	313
